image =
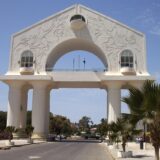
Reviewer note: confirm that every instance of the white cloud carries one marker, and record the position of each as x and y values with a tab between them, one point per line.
146	17
156	29
149	18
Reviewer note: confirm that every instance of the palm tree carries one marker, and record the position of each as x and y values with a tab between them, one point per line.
126	129
29	130
10	130
144	105
102	128
113	133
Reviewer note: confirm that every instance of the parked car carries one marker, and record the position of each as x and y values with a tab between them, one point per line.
139	139
60	137
92	135
51	137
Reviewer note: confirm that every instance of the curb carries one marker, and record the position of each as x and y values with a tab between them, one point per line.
5	148
108	150
17	145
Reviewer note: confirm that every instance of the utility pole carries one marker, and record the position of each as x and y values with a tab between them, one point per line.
79	62
73	64
84	62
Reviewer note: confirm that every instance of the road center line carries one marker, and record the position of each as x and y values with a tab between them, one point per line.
34	157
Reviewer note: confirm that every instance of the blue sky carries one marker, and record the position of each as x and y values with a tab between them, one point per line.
142	15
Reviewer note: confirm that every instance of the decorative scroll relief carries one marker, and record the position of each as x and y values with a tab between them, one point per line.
39	40
113	38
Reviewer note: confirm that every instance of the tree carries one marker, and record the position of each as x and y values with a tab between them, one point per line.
10	130
145	104
102	128
113	132
29	130
60	125
3	119
29	117
126	130
122	130
84	123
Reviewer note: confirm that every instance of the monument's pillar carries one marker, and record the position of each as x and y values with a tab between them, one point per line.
138	85
14	104
114	102
23	113
40	110
47	107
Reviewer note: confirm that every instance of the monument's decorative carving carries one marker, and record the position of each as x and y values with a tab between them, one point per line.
114	38
111	36
41	40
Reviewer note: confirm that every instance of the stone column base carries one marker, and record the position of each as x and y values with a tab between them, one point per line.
39	136
20	134
9	143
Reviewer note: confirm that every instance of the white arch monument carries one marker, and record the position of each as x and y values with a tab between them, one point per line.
35	50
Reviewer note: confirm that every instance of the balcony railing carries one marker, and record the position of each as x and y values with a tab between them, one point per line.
127	70
26	70
76	70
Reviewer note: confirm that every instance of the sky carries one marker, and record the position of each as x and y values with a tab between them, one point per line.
142	15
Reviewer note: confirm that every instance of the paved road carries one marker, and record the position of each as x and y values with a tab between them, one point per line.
58	151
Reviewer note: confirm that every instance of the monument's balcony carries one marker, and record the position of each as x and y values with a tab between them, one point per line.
26	70
78	79
128	71
76	70
77	22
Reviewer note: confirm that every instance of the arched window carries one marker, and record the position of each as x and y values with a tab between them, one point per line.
127	59
27	59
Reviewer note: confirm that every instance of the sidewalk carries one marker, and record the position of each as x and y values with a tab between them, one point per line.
145	154
17	143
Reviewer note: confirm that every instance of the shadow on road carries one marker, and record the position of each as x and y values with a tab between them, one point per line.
140	156
81	141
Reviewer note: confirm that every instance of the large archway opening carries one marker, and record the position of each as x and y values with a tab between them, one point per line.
78	102
74	45
79	61
124	108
